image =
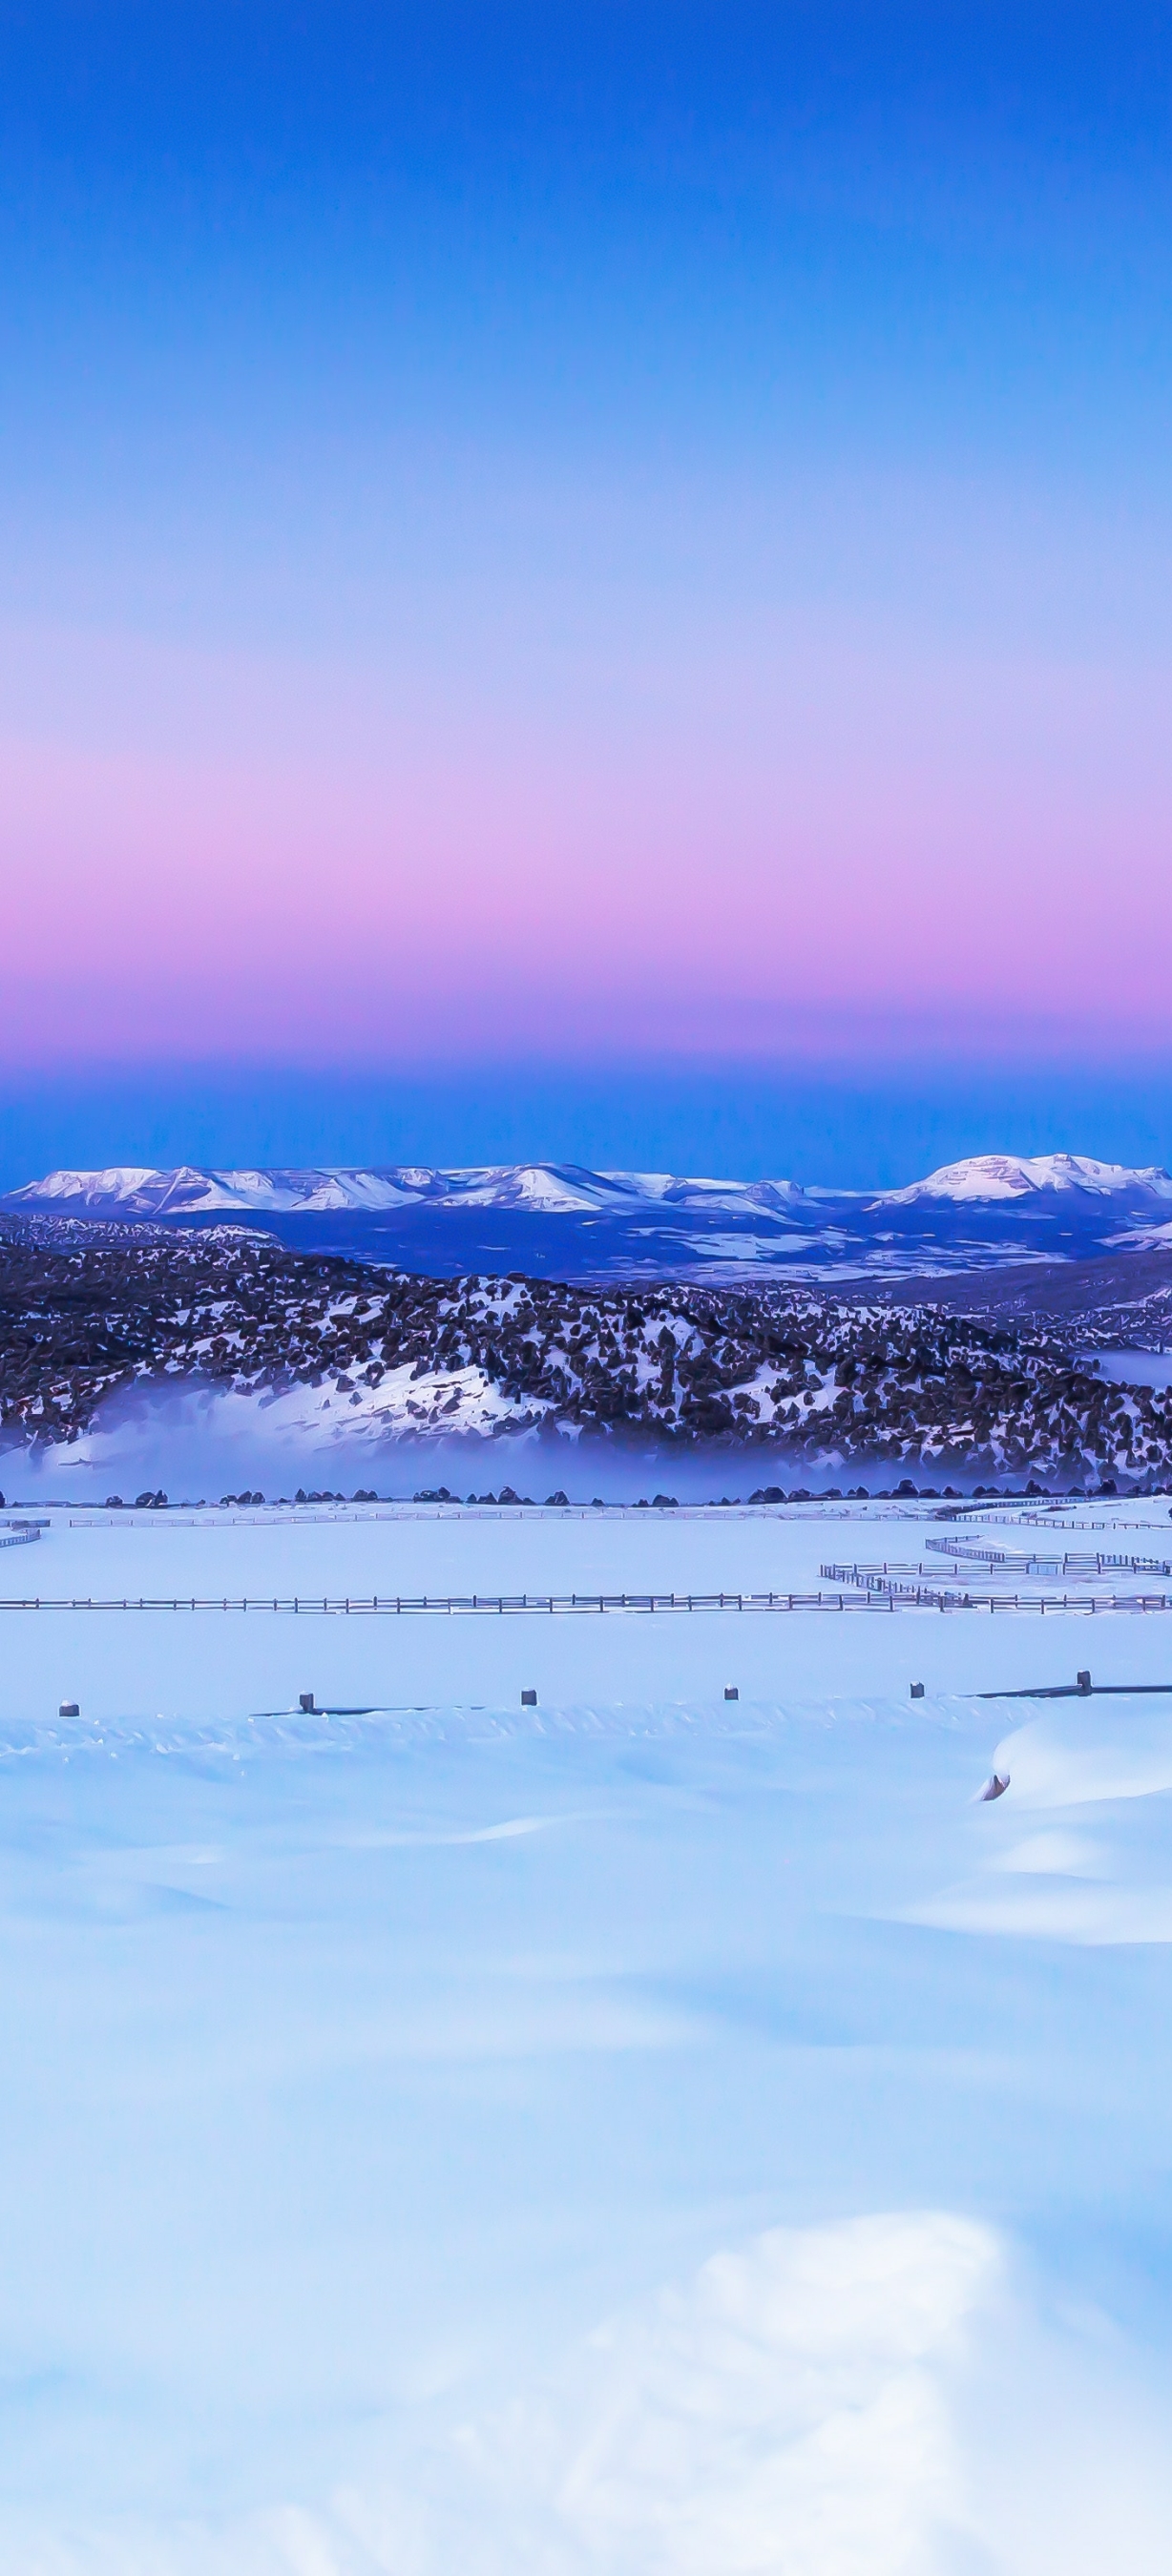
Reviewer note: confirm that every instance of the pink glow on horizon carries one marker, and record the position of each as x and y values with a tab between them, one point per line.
207	855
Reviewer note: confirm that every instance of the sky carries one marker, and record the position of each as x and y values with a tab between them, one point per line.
585	583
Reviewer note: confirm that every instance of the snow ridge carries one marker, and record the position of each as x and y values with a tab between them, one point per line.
546	1188
552	1189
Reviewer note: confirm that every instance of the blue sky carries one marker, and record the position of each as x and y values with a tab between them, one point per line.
842	1127
632	539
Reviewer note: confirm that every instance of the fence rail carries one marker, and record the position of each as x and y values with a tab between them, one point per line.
880	1594
1042	1559
899	1588
451	1604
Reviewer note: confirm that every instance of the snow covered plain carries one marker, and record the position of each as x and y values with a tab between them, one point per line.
647	2133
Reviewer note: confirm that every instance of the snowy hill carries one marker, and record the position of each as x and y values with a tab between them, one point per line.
305	1356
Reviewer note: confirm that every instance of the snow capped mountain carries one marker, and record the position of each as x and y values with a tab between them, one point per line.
546	1188
550	1189
560	1220
120	1186
1009	1176
772	1197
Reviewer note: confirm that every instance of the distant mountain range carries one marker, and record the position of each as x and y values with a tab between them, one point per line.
546	1189
559	1220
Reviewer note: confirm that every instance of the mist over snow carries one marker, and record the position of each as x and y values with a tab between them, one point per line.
198	1443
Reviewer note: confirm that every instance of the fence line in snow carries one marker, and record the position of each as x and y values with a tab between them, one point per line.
900	1586
880	1594
1044	1559
291	1516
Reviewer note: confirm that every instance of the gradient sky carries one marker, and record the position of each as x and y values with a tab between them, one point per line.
586	548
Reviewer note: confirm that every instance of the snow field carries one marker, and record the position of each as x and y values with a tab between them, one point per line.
208	1664
649	2135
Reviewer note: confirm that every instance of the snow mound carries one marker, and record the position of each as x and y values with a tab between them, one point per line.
785	2410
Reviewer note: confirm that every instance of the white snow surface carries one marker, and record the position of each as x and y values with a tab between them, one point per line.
648	2135
1132	1368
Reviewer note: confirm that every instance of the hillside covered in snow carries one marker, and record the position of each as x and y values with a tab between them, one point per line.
335	1351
